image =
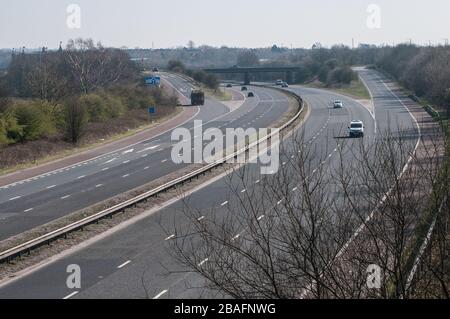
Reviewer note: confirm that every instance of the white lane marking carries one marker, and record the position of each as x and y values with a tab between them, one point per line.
112	153
170	237
105	169
163	161
51	186
127	161
148	148
279	202
200	218
224	203
243	191
294	189
17	197
124	264
126	175
145	155
82	176
235	237
111	160
64	197
146	167
71	295
260	217
257	181
28	210
99	185
203	261
128	151
160	294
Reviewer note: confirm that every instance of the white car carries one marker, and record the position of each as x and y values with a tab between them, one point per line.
356	129
279	82
338	104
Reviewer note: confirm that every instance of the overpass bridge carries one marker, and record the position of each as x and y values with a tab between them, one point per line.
246	71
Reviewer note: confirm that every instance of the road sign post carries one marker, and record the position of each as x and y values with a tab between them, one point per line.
151	110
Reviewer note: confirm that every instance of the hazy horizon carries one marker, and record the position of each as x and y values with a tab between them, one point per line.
172	23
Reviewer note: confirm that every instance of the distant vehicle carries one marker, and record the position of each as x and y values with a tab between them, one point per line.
250	94
279	82
356	129
244	88
338	104
197	97
229	85
155	69
284	85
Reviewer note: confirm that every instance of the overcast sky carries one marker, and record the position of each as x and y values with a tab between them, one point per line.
243	23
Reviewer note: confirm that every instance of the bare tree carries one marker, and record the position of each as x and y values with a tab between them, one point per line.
312	229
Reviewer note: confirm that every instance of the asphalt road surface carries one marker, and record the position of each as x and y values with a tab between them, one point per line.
36	201
134	262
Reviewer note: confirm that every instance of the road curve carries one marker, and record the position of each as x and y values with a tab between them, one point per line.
116	266
40	200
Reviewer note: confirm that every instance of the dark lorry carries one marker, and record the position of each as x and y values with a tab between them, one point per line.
197	97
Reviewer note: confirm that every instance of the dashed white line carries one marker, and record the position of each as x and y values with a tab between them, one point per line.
127	161
170	237
164	160
128	151
28	210
17	197
51	186
126	175
82	176
294	189
260	217
224	203
201	218
99	185
243	191
124	264
110	160
64	197
71	295
105	169
160	294
203	261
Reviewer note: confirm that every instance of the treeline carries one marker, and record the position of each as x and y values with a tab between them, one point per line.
57	93
209	80
423	70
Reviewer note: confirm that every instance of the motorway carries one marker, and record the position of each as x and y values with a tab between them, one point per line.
41	199
134	262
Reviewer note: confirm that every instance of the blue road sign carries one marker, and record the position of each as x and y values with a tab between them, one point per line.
151	110
153	80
